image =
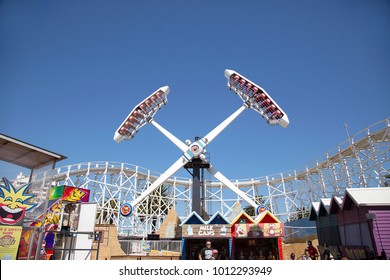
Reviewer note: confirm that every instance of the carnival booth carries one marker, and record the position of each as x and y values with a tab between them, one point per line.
258	239
195	232
68	212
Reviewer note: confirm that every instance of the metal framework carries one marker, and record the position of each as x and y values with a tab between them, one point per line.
252	95
359	162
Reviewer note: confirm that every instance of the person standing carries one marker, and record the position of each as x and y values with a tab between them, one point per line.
207	252
313	253
305	256
327	255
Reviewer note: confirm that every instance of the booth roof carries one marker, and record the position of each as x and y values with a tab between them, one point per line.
195	217
192	216
240	215
366	197
26	155
324	206
265	214
335	204
314	210
358	196
215	216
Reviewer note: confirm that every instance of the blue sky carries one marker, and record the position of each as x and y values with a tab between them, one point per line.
71	71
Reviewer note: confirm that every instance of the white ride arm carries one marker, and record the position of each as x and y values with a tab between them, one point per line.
216	131
220	177
165	176
183	147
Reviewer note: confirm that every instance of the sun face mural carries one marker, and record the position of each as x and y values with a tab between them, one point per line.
14	203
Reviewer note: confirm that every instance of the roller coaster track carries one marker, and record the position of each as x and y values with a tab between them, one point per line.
361	161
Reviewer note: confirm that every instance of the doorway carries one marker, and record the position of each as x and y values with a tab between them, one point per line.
193	247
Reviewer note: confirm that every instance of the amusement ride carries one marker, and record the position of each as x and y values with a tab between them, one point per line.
359	162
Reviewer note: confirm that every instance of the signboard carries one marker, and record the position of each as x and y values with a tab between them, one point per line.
9	241
206	231
73	194
262	230
261	208
56	192
126	209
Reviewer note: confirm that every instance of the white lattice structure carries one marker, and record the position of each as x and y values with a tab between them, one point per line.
361	161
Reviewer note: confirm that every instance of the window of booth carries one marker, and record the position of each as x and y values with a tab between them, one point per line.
256	249
193	247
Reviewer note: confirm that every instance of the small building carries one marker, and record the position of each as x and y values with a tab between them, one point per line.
257	239
357	224
327	226
237	238
195	232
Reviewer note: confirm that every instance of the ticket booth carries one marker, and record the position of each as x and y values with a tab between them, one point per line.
259	239
195	232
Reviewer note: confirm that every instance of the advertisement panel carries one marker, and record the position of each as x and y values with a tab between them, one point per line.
262	230
9	241
72	194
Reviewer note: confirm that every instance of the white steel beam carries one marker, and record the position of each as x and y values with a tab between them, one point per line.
165	176
183	147
220	177
209	137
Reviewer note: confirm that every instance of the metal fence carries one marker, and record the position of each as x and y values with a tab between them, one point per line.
144	246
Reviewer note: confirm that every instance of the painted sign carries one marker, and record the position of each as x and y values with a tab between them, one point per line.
206	231
261	208
56	192
73	194
262	230
14	203
145	247
126	209
9	241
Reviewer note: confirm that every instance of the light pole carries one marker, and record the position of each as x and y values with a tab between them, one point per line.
252	95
